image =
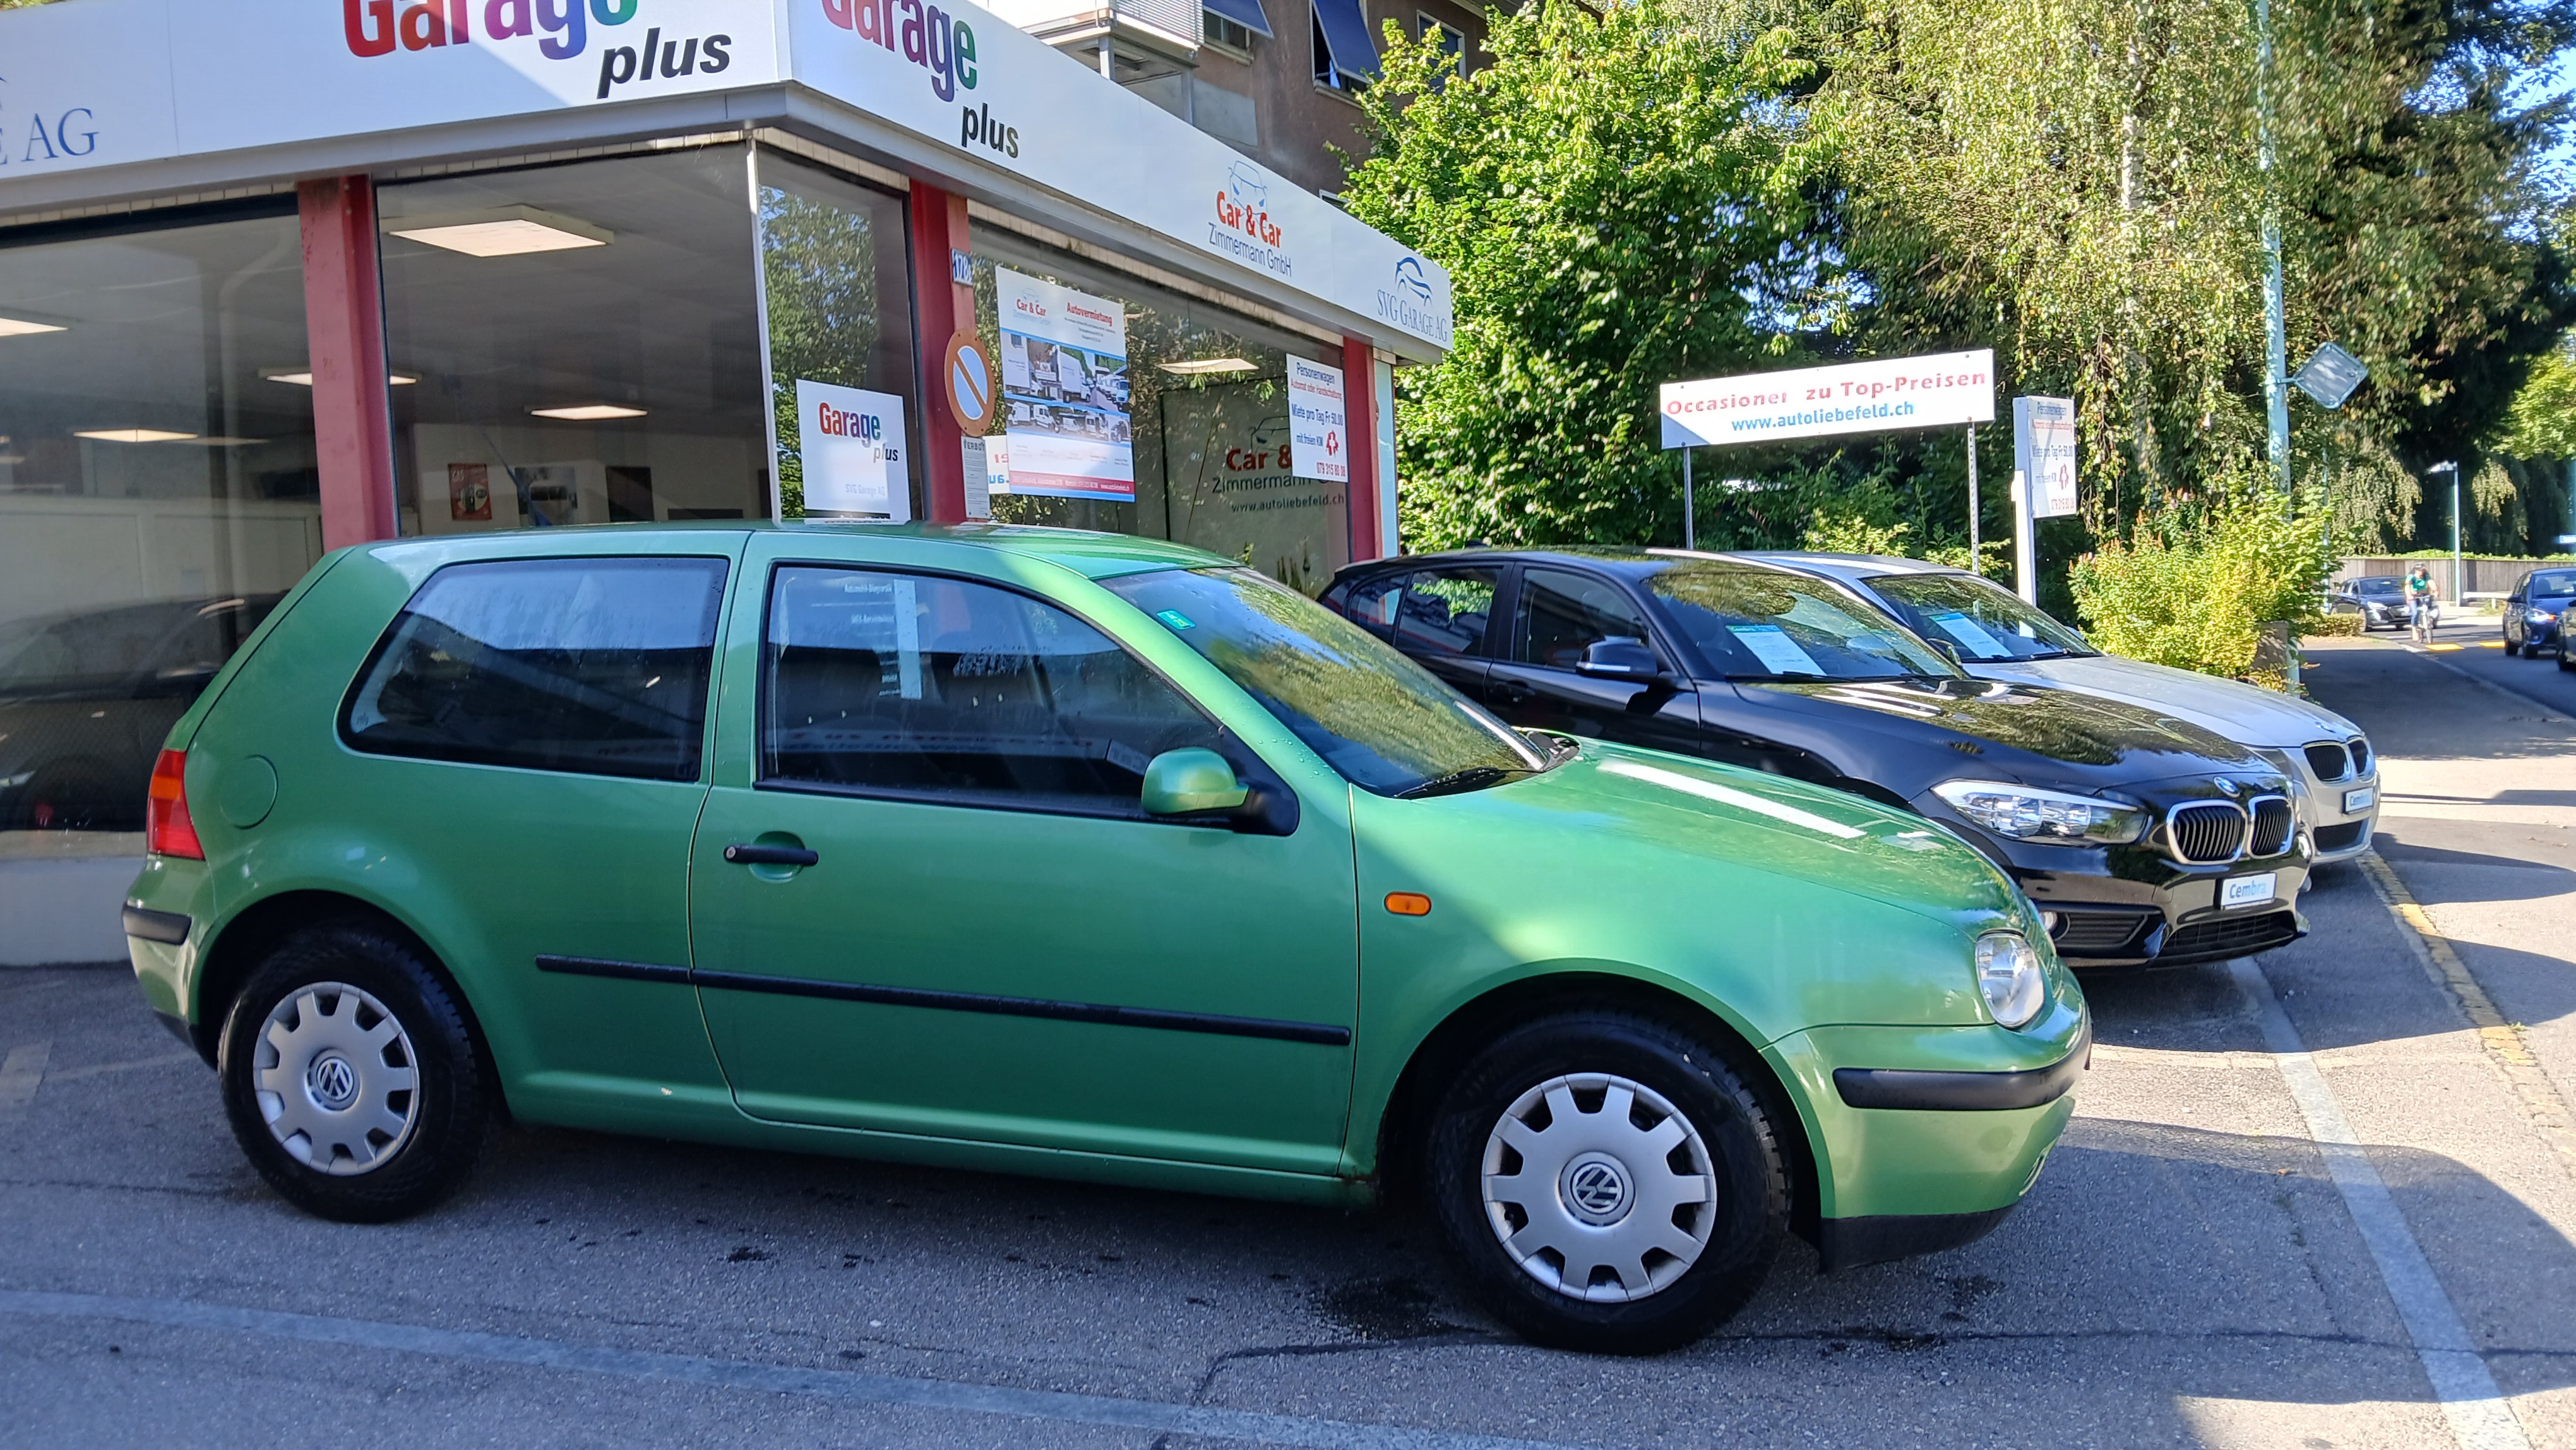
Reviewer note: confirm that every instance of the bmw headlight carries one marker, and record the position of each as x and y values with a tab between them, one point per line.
2009	975
2029	814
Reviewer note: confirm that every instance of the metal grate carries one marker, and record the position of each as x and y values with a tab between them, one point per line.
2207	833
2360	756
2275	825
2328	760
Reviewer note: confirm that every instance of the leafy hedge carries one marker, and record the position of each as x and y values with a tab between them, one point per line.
2194	588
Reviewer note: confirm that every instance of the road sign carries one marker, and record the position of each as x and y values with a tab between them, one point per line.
2329	375
968	369
2044	453
1940	391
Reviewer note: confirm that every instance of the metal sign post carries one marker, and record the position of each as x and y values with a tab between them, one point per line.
1976	559
1690	513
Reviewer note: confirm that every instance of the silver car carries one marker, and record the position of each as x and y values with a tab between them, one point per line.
1995	636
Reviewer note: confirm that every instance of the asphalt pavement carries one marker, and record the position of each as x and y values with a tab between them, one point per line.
2321	1200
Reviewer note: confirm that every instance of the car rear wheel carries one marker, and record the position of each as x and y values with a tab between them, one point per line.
350	1076
1606	1183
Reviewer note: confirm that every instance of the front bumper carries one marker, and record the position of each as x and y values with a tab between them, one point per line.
2129	906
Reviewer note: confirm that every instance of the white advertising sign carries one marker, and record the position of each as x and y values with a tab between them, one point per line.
2044	454
111	82
1064	390
1319	428
1943	390
850	442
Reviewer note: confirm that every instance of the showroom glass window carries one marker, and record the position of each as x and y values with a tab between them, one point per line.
839	307
158	492
1151	413
576	344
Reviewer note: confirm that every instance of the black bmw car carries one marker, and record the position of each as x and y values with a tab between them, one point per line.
2142	839
2534	614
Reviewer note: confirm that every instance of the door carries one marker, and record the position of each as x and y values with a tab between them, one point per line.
1556	615
1441	617
954	918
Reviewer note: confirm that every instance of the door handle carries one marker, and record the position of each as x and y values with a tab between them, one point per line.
1513	692
751	853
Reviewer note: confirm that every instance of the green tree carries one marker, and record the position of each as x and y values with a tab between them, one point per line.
1619	204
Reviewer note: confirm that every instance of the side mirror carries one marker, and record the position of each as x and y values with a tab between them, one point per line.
1620	657
1191	782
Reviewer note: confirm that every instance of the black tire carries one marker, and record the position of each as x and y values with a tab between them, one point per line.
2511	649
1745	1226
445	1113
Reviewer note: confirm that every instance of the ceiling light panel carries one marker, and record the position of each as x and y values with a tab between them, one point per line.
26	327
588	412
1204	366
510	231
133	435
303	377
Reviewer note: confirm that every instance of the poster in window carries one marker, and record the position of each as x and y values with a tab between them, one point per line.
1235	490
1064	391
469	492
851	442
1318	422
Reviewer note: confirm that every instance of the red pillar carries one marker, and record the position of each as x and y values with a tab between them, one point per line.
344	324
1359	404
943	308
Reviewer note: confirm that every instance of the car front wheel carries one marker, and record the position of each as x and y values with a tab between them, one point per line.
1607	1183
350	1077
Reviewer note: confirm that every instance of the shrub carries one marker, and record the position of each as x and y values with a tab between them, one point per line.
2193	588
2336	624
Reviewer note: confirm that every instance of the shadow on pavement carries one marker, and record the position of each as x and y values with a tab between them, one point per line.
2527	881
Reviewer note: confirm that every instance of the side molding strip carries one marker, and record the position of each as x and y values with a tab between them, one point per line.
1318	1033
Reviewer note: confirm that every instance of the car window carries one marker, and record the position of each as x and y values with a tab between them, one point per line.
596	666
2378	585
1443	611
920	685
1370	603
1981	619
1563	614
2551	581
1756	623
1385	723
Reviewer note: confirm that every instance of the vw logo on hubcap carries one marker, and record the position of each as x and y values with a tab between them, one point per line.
332	1081
1596	1189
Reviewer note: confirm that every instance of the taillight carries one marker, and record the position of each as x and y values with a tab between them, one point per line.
168	831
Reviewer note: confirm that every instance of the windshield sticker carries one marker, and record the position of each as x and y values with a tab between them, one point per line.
1972	634
1775	649
1709	790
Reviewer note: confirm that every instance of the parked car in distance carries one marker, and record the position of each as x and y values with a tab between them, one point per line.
1070	854
1993	635
2143	839
2534	614
2379	599
85	698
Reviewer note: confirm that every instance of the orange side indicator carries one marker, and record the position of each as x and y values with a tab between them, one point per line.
1408	903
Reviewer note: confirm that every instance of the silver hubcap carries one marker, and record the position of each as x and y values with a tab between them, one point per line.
1599	1188
336	1079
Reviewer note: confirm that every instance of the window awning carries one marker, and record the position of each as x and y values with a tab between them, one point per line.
1344	24
1246	13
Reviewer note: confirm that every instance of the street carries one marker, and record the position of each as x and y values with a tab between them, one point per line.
2193	1268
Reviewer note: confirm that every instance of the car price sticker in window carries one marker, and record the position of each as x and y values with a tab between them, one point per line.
1775	649
1971	634
2238	891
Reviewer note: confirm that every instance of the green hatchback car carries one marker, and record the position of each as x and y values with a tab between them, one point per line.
1076	854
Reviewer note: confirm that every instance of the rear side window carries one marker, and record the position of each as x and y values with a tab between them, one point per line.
915	685
595	666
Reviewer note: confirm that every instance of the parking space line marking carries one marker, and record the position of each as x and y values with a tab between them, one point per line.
2479	1416
96	1069
879	1389
20	1075
2532	1086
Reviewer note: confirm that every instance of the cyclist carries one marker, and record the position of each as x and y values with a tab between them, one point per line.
2423	603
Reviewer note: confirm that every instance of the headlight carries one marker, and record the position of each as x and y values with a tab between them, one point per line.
2008	973
2539	616
2028	814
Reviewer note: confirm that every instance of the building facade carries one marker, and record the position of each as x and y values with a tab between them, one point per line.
277	277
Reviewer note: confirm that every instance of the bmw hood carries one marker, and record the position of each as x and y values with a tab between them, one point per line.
2243	713
2049	722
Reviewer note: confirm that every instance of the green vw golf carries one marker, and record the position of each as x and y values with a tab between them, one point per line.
1077	854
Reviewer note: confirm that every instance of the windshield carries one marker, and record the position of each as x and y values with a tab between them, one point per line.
1387	724
1763	624
2378	585
2552	581
1978	616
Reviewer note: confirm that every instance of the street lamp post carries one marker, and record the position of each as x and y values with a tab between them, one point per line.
2276	361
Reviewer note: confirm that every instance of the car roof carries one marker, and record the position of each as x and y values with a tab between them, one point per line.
1849	568
1094	554
1626	560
